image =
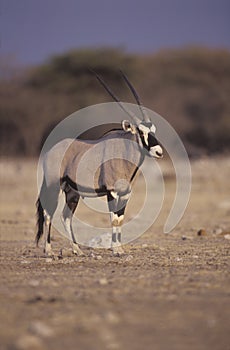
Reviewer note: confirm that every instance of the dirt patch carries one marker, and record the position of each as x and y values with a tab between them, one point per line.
167	292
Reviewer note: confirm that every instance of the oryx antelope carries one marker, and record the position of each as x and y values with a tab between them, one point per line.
120	153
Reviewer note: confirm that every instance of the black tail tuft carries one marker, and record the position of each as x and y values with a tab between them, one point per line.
40	222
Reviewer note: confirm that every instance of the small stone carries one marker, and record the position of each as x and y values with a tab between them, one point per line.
145	245
98	257
49	260
178	259
65	253
227	236
26	251
183	238
34	283
195	257
202	232
102	241
161	249
103	281
129	258
41	329
25	262
217	231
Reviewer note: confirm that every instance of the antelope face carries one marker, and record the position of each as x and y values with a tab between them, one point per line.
151	144
144	127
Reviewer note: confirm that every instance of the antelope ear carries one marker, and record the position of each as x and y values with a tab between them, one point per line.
128	127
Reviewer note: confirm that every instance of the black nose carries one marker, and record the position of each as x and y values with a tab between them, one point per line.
159	154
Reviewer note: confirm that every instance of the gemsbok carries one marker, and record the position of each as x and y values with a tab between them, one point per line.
119	152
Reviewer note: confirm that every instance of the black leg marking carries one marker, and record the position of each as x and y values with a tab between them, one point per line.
114	237
49	234
119	237
117	208
72	199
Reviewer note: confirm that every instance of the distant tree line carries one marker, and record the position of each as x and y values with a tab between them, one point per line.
188	87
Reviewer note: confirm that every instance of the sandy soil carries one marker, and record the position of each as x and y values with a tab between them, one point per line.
167	292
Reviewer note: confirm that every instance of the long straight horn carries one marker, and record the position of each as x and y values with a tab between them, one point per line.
131	114
142	109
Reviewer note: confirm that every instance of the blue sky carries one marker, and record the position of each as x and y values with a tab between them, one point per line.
33	30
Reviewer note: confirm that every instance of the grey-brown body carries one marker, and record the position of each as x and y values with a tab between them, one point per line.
92	168
102	163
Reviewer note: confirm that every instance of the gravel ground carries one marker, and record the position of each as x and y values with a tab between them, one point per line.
167	291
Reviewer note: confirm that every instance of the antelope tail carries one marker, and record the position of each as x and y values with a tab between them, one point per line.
40	221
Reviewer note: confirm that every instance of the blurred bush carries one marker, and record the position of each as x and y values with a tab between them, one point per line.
189	87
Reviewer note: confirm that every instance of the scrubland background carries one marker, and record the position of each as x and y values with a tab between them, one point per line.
189	87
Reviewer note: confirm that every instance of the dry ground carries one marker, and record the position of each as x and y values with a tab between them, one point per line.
167	292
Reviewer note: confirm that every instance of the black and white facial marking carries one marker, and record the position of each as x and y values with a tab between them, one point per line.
147	133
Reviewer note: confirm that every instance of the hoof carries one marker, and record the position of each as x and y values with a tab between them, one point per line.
118	251
77	251
49	254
